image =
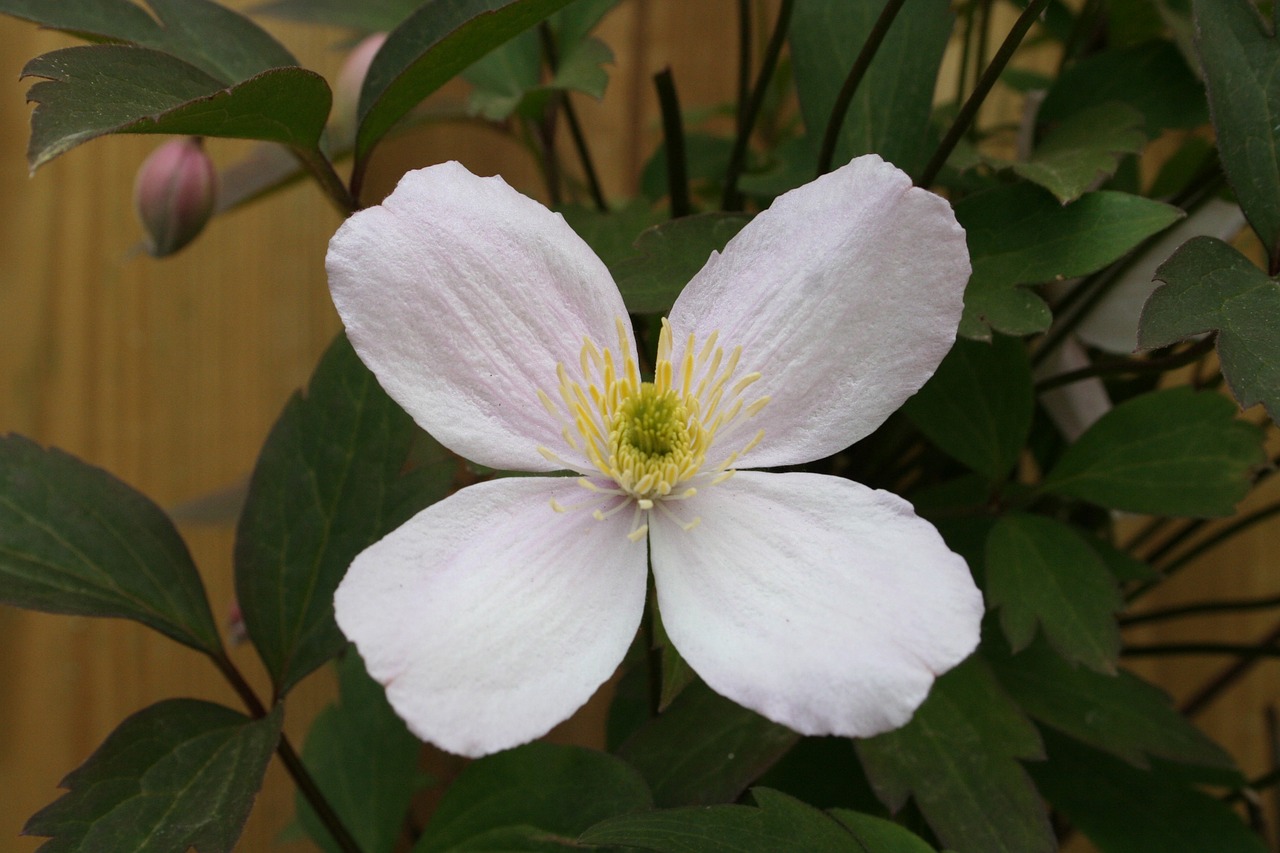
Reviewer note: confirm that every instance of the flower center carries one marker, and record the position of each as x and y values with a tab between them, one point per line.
653	442
651	439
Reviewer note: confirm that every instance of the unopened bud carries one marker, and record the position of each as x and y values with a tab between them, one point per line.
174	194
346	88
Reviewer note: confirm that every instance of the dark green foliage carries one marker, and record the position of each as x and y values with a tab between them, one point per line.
74	539
179	774
365	762
1126	810
1173	452
1213	288
958	759
704	749
532	798
977	406
327	485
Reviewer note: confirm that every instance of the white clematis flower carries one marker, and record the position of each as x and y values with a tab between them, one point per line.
822	604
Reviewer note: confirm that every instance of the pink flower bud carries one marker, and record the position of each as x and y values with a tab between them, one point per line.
346	88
174	194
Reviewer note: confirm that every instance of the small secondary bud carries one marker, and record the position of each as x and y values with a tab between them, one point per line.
174	194
346	88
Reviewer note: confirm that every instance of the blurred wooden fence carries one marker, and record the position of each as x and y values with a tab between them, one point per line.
170	373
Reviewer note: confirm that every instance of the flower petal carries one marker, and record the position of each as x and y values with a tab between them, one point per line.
489	617
844	296
815	601
462	295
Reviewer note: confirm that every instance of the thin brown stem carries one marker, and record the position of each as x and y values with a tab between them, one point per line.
981	89
289	757
875	38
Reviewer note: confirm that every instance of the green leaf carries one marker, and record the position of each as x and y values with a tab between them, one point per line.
509	78
612	235
1041	571
1213	288
367	16
219	41
957	758
431	47
890	111
91	91
1120	714
1020	234
557	790
1153	78
179	774
1084	149
1240	59
704	749
1171	452
878	834
74	539
1125	810
326	486
778	823
977	407
364	761
669	255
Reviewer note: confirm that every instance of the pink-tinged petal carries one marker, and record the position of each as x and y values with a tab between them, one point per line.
844	295
826	606
489	617
462	295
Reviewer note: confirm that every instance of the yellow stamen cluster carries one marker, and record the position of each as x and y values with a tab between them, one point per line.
652	438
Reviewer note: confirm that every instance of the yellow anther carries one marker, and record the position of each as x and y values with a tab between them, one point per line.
650	439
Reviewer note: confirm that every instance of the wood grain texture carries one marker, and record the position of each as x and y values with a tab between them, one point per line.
169	374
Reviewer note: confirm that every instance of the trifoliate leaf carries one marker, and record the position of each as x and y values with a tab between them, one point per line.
327	485
74	539
1240	57
958	759
1210	287
704	749
177	775
1171	452
1042	572
555	791
1020	235
1120	714
977	407
1126	810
